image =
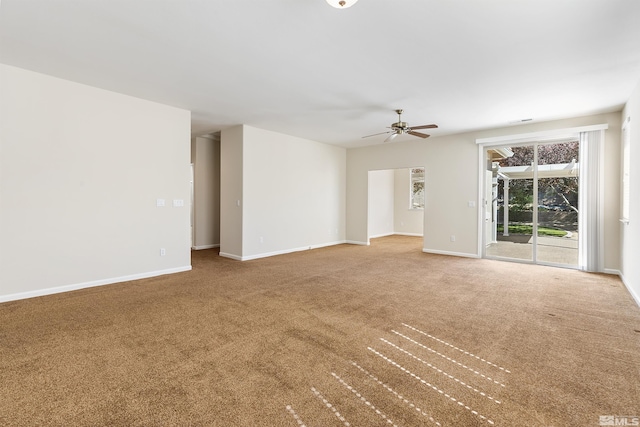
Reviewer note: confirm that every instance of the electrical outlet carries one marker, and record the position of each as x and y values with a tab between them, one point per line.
453	238
261	239
163	251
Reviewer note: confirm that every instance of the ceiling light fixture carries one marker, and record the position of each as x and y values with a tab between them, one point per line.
341	4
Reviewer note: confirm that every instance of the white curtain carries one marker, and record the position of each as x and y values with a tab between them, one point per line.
591	202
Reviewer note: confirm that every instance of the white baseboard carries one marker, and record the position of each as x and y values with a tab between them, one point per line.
231	256
201	247
634	295
382	235
325	245
459	254
102	282
282	252
356	242
410	234
618	273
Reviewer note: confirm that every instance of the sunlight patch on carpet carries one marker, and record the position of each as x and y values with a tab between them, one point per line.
363	399
423	381
295	416
436	384
395	393
476	372
456	348
330	406
440	371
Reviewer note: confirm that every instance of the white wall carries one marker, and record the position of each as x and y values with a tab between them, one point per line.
381	203
231	193
205	156
406	221
291	192
445	212
451	181
80	171
630	241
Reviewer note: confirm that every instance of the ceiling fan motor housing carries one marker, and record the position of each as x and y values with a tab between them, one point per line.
399	126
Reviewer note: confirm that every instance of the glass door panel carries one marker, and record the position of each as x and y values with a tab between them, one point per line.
557	231
513	204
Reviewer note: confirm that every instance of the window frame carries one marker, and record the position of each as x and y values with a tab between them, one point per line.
416	176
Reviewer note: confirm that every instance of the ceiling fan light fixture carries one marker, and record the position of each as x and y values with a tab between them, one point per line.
341	4
391	137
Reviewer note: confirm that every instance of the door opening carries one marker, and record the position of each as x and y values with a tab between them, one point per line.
396	202
531	202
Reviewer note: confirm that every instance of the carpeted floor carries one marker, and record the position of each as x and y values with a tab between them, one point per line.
339	336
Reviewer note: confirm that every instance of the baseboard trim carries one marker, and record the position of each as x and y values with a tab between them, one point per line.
395	233
356	242
201	247
458	254
635	296
231	256
325	245
282	252
84	285
382	235
275	253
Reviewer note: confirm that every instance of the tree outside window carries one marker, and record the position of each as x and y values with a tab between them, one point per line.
558	193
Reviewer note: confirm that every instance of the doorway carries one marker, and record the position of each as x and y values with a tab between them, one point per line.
531	208
396	202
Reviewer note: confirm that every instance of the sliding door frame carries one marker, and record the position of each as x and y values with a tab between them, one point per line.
513	140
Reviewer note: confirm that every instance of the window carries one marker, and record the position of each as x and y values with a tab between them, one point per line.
417	188
626	163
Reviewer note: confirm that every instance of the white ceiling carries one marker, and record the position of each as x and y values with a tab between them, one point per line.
303	68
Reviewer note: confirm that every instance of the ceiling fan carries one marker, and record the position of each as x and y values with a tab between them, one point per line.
401	127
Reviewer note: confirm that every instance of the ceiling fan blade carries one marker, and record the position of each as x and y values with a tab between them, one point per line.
424	127
375	134
390	137
419	134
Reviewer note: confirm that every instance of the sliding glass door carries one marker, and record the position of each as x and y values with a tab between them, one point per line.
513	204
557	241
532	213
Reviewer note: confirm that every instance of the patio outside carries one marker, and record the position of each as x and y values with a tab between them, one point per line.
548	174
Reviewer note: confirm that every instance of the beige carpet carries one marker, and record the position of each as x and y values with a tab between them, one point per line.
340	336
